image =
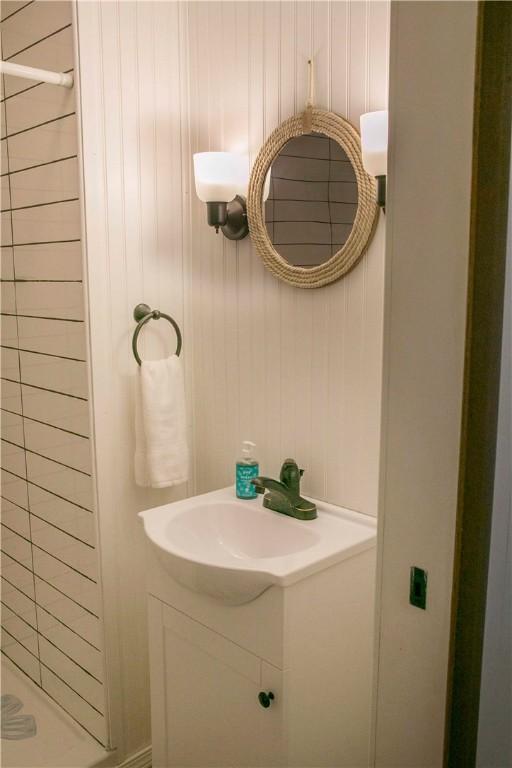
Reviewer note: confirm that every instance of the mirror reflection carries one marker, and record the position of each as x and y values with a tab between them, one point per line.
312	201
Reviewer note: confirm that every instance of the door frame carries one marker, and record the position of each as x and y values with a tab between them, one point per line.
447	178
487	254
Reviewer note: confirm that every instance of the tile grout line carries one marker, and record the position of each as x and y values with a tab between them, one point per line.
16	11
74	661
63	530
45	354
39	165
46	424
31	482
38	125
46	666
37	280
22	420
42	242
47	639
31	87
40	317
96	739
87	610
19	373
4	627
63	562
70	629
6	605
39	205
15	586
43	389
10	501
48	522
50	554
41	39
48	458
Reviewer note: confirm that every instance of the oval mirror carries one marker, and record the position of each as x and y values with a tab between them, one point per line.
311	205
312	202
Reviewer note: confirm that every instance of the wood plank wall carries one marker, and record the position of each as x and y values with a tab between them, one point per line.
298	372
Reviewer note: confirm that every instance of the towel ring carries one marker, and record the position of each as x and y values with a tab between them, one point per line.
143	314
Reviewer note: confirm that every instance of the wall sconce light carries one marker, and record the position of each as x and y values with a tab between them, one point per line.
374	146
221	180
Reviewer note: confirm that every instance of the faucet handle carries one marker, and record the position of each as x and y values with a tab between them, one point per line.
258	487
291	474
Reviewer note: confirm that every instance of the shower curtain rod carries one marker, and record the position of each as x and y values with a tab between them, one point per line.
42	75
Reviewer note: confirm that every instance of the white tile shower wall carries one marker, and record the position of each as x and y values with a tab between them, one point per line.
50	592
297	371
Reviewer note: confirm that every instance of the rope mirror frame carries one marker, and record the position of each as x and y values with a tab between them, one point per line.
343	133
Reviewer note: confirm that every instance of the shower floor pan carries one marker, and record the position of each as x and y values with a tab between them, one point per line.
59	741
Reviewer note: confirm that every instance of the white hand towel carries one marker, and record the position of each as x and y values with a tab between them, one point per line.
161	453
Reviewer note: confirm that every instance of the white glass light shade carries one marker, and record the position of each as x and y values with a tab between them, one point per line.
220	176
374	142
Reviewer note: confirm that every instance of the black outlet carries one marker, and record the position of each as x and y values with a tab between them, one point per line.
418	587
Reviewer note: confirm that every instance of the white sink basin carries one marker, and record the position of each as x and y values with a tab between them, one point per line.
233	550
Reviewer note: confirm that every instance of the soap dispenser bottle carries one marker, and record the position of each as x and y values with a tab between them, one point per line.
246	469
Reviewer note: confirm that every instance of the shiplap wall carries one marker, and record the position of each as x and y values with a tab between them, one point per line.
298	372
51	606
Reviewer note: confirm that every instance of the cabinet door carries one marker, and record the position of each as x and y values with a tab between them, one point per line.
157	686
205	707
274	746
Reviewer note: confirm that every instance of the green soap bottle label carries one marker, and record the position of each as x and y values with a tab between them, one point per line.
244	474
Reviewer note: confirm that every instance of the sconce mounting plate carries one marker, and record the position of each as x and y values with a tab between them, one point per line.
236	226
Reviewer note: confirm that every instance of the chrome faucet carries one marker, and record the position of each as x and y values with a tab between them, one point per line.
284	494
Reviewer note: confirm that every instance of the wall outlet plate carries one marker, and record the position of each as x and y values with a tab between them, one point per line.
418	587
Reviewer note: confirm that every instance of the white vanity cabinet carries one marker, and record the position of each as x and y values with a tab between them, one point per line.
205	706
310	644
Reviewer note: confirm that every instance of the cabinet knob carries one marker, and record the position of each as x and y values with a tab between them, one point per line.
265	699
